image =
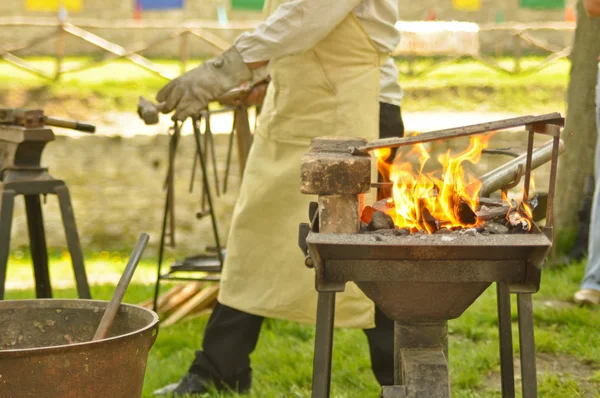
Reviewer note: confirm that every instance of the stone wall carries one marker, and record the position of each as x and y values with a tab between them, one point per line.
115	10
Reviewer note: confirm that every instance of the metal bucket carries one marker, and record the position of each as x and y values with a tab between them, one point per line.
46	349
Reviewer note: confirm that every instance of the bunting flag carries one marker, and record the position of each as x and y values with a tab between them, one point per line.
159	4
255	5
543	4
466	5
53	5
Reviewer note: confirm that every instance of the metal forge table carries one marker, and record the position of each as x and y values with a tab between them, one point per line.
419	281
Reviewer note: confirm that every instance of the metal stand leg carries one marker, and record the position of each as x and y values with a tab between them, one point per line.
7	202
507	370
66	210
37	245
168	211
527	345
321	382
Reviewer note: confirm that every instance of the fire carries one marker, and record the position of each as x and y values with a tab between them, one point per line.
430	201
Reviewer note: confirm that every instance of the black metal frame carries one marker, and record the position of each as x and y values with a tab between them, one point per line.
211	265
32	186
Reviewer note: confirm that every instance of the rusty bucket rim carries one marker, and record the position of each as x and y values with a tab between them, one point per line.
40	350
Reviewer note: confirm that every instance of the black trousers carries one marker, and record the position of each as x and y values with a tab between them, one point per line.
231	335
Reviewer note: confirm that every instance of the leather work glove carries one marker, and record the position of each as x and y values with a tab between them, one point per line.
191	92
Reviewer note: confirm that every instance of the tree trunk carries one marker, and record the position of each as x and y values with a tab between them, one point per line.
580	133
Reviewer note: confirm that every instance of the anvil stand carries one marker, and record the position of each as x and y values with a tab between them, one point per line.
21	174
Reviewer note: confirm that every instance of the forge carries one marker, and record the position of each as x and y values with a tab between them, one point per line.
422	280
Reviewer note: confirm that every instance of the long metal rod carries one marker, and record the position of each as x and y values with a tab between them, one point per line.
115	302
527	345
550	118
206	189
507	370
321	382
161	247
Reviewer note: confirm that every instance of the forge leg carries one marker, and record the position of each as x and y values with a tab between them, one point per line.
527	345
323	345
7	201
507	370
424	360
37	245
68	217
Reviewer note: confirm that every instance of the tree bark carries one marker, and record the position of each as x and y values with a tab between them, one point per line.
580	133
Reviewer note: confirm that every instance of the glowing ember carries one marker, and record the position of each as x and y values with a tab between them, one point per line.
446	198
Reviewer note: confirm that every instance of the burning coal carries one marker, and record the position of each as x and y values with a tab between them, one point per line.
445	198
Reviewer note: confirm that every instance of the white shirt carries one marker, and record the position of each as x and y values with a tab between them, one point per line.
299	25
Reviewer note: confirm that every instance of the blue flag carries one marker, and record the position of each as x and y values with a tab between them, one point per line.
159	4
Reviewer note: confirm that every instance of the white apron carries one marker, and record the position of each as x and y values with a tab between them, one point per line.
331	90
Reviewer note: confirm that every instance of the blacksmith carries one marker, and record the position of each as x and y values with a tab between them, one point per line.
331	74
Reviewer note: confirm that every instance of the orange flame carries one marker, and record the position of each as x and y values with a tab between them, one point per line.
429	201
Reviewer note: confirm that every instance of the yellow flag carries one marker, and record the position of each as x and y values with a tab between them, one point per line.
466	5
52	5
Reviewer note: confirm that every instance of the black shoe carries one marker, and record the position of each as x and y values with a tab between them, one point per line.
195	384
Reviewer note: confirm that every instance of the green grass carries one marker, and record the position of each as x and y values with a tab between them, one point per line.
465	85
569	363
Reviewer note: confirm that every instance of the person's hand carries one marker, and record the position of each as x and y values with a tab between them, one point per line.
191	92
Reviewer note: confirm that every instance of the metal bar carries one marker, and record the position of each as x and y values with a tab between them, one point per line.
7	202
66	210
507	173
550	118
527	181
113	306
552	183
507	370
321	381
527	345
206	188
212	152
161	246
37	246
170	180
229	154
